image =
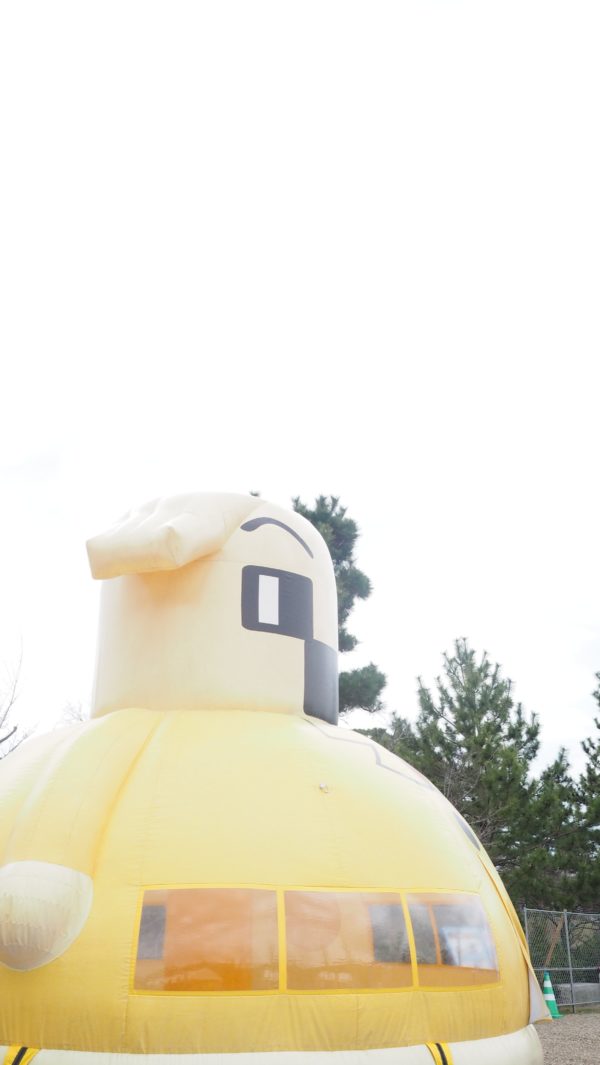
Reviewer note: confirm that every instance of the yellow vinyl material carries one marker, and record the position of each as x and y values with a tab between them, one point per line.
517	1048
211	866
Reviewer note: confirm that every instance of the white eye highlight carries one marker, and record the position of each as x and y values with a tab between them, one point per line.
268	600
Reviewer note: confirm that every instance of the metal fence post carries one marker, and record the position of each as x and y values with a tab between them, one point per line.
568	944
526	927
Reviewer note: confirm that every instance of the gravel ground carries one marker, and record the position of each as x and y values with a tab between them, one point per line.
573	1040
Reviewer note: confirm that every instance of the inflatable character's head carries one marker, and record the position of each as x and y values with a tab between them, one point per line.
215	601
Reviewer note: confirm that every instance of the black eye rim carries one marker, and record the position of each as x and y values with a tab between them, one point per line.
295	602
257	523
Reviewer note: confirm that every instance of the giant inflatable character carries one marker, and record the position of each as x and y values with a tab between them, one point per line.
210	869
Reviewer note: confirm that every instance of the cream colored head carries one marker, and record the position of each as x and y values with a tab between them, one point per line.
215	601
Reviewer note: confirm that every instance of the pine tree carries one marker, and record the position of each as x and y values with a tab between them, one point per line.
477	746
358	687
590	780
589	794
548	867
399	737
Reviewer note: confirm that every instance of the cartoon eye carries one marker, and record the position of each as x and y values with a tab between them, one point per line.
274	600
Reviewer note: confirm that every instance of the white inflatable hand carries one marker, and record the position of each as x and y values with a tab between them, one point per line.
43	908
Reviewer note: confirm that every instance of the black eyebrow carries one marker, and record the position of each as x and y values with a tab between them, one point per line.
255	523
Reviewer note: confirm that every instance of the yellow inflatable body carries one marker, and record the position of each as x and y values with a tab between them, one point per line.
210	869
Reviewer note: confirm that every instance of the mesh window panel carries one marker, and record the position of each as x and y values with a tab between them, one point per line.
213	939
426	943
453	941
346	941
390	939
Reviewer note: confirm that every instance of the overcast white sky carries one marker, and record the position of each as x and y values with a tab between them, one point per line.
310	247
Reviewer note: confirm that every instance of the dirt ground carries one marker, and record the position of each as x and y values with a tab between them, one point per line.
573	1040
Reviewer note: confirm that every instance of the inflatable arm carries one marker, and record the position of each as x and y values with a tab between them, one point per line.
48	862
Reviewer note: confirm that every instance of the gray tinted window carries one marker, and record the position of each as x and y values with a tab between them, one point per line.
152	933
420	917
390	939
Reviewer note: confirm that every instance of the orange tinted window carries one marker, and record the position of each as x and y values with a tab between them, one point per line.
345	940
453	941
208	939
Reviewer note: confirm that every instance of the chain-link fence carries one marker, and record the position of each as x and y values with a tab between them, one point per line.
567	947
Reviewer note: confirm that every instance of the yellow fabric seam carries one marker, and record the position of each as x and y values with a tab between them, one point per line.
523	946
412	946
65	744
120	789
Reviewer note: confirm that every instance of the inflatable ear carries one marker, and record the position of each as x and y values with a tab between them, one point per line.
167	534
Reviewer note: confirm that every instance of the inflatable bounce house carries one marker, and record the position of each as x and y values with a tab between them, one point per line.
210	870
